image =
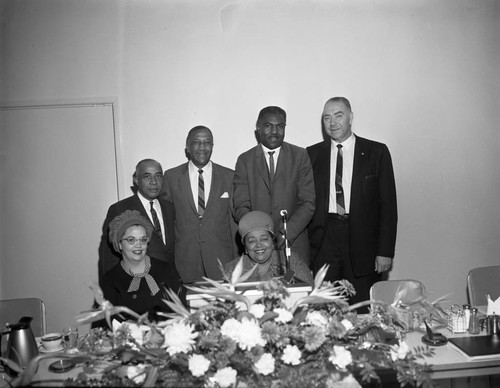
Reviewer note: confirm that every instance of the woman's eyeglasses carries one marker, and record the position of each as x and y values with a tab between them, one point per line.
133	240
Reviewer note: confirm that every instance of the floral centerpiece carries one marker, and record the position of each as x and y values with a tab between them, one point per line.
234	342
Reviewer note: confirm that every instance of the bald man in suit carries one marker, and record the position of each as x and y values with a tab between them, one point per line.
354	226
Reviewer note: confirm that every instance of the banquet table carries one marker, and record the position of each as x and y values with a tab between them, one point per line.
447	363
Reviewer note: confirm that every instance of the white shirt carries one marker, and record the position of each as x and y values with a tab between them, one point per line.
348	160
193	179
157	207
267	156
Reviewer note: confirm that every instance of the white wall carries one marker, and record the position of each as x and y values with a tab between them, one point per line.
422	76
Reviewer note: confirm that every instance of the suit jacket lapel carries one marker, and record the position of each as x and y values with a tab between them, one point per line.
323	163
143	211
214	186
185	185
359	163
282	159
261	164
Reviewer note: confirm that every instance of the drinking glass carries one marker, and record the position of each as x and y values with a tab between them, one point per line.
70	337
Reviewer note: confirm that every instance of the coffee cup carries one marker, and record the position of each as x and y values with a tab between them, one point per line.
52	341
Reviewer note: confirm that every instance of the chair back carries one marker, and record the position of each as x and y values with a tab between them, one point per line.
11	310
483	281
385	290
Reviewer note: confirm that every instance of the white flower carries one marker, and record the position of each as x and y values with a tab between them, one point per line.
198	365
265	365
136	373
399	352
249	334
284	315
179	337
257	310
231	328
316	318
346	382
347	324
341	357
225	377
291	355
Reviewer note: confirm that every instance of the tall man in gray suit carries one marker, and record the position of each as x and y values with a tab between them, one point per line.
201	192
354	225
275	176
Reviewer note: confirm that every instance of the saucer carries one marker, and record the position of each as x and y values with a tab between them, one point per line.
436	340
41	349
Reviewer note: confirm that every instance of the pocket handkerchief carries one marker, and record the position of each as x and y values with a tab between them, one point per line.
493	306
225	195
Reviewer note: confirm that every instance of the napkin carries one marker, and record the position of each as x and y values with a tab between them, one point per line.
493	306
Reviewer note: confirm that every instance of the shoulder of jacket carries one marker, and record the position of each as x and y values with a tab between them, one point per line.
293	147
176	169
223	169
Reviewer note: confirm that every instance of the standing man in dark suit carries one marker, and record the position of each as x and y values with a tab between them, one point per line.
148	178
354	226
275	176
201	192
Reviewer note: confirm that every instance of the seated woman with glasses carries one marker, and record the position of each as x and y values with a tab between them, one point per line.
137	281
256	231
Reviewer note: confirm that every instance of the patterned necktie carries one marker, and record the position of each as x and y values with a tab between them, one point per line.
201	193
339	190
156	221
271	166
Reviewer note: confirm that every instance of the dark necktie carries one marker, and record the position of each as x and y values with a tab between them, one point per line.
156	221
201	193
338	182
271	166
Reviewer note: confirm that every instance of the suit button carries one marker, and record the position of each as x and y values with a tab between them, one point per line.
134	296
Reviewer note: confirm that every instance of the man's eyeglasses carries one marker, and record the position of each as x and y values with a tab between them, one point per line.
133	240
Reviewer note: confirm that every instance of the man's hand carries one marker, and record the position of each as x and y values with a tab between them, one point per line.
382	264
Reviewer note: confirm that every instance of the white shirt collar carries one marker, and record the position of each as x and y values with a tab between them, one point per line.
347	142
267	150
207	169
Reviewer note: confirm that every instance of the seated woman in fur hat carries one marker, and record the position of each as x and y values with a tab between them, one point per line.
256	231
137	281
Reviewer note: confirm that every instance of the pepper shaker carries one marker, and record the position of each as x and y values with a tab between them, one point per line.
474	322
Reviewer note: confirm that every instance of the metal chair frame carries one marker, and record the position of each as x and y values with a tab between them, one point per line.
482	281
11	310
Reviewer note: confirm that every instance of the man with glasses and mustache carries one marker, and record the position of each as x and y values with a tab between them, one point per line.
275	176
148	178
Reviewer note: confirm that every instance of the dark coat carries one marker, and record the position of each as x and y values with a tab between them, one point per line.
292	190
373	207
108	257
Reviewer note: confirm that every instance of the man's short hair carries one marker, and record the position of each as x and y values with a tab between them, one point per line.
274	110
144	161
195	129
344	100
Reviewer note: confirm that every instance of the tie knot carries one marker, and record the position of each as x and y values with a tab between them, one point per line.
151	203
200	171
271	153
339	146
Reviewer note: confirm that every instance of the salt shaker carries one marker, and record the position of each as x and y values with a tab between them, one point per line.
474	322
466	308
